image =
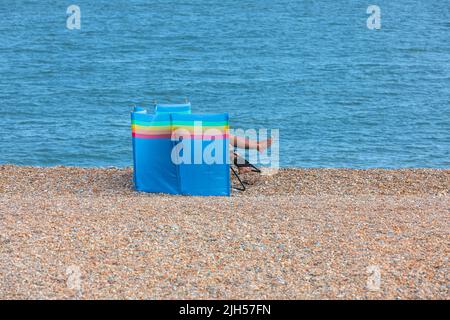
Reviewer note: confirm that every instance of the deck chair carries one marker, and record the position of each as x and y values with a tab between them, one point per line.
241	162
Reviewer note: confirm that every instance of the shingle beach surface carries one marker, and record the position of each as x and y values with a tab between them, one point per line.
299	234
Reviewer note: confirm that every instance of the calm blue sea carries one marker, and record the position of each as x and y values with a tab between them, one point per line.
341	94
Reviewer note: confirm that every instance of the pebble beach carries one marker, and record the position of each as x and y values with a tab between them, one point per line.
84	233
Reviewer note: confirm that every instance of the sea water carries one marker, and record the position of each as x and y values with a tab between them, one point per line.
341	92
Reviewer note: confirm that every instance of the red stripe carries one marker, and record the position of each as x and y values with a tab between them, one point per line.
151	136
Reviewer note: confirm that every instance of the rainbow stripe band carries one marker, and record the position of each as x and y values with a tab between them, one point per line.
207	130
179	123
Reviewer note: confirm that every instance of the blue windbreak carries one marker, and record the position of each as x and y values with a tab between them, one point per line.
153	169
207	171
195	163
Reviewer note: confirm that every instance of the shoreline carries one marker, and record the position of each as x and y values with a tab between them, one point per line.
299	234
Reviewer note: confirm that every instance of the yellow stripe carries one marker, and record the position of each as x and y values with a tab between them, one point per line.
150	128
